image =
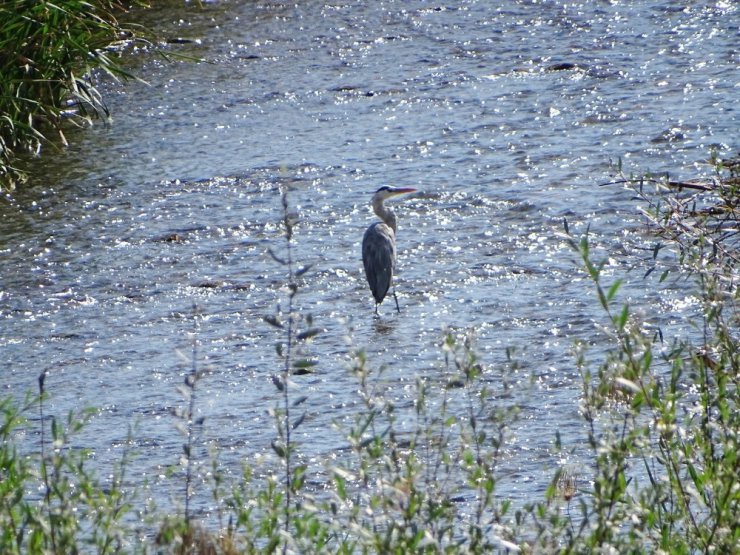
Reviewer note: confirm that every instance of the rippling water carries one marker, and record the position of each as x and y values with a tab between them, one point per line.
505	118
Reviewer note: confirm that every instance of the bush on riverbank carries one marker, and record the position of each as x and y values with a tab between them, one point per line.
661	472
47	53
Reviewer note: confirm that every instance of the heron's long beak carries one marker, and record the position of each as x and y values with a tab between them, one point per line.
402	190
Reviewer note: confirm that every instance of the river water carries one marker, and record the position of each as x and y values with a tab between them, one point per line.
176	201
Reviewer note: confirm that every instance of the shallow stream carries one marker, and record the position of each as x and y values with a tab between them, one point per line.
506	117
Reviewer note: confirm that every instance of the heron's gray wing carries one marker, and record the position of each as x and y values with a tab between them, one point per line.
379	258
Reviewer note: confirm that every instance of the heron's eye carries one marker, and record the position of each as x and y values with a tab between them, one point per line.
383	188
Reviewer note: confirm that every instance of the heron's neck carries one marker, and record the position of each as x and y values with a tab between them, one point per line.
385	214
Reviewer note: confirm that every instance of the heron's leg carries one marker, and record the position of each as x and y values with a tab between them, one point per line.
376	309
398	308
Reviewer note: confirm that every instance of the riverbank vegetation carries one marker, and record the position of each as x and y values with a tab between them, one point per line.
659	474
48	54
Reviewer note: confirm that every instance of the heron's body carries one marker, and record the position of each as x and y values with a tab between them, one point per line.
379	246
379	258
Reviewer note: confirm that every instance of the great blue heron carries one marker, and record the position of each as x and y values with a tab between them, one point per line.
379	245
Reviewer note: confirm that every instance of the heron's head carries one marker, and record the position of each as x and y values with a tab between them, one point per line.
386	192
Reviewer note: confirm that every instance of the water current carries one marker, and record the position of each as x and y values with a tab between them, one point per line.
506	117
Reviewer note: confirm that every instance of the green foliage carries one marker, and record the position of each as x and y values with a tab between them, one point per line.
74	512
403	489
664	421
15	471
47	53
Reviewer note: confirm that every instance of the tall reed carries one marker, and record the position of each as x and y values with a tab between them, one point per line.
290	321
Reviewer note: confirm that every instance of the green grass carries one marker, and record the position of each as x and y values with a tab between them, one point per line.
48	51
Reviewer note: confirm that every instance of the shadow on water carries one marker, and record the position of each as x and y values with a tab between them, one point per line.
385	326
